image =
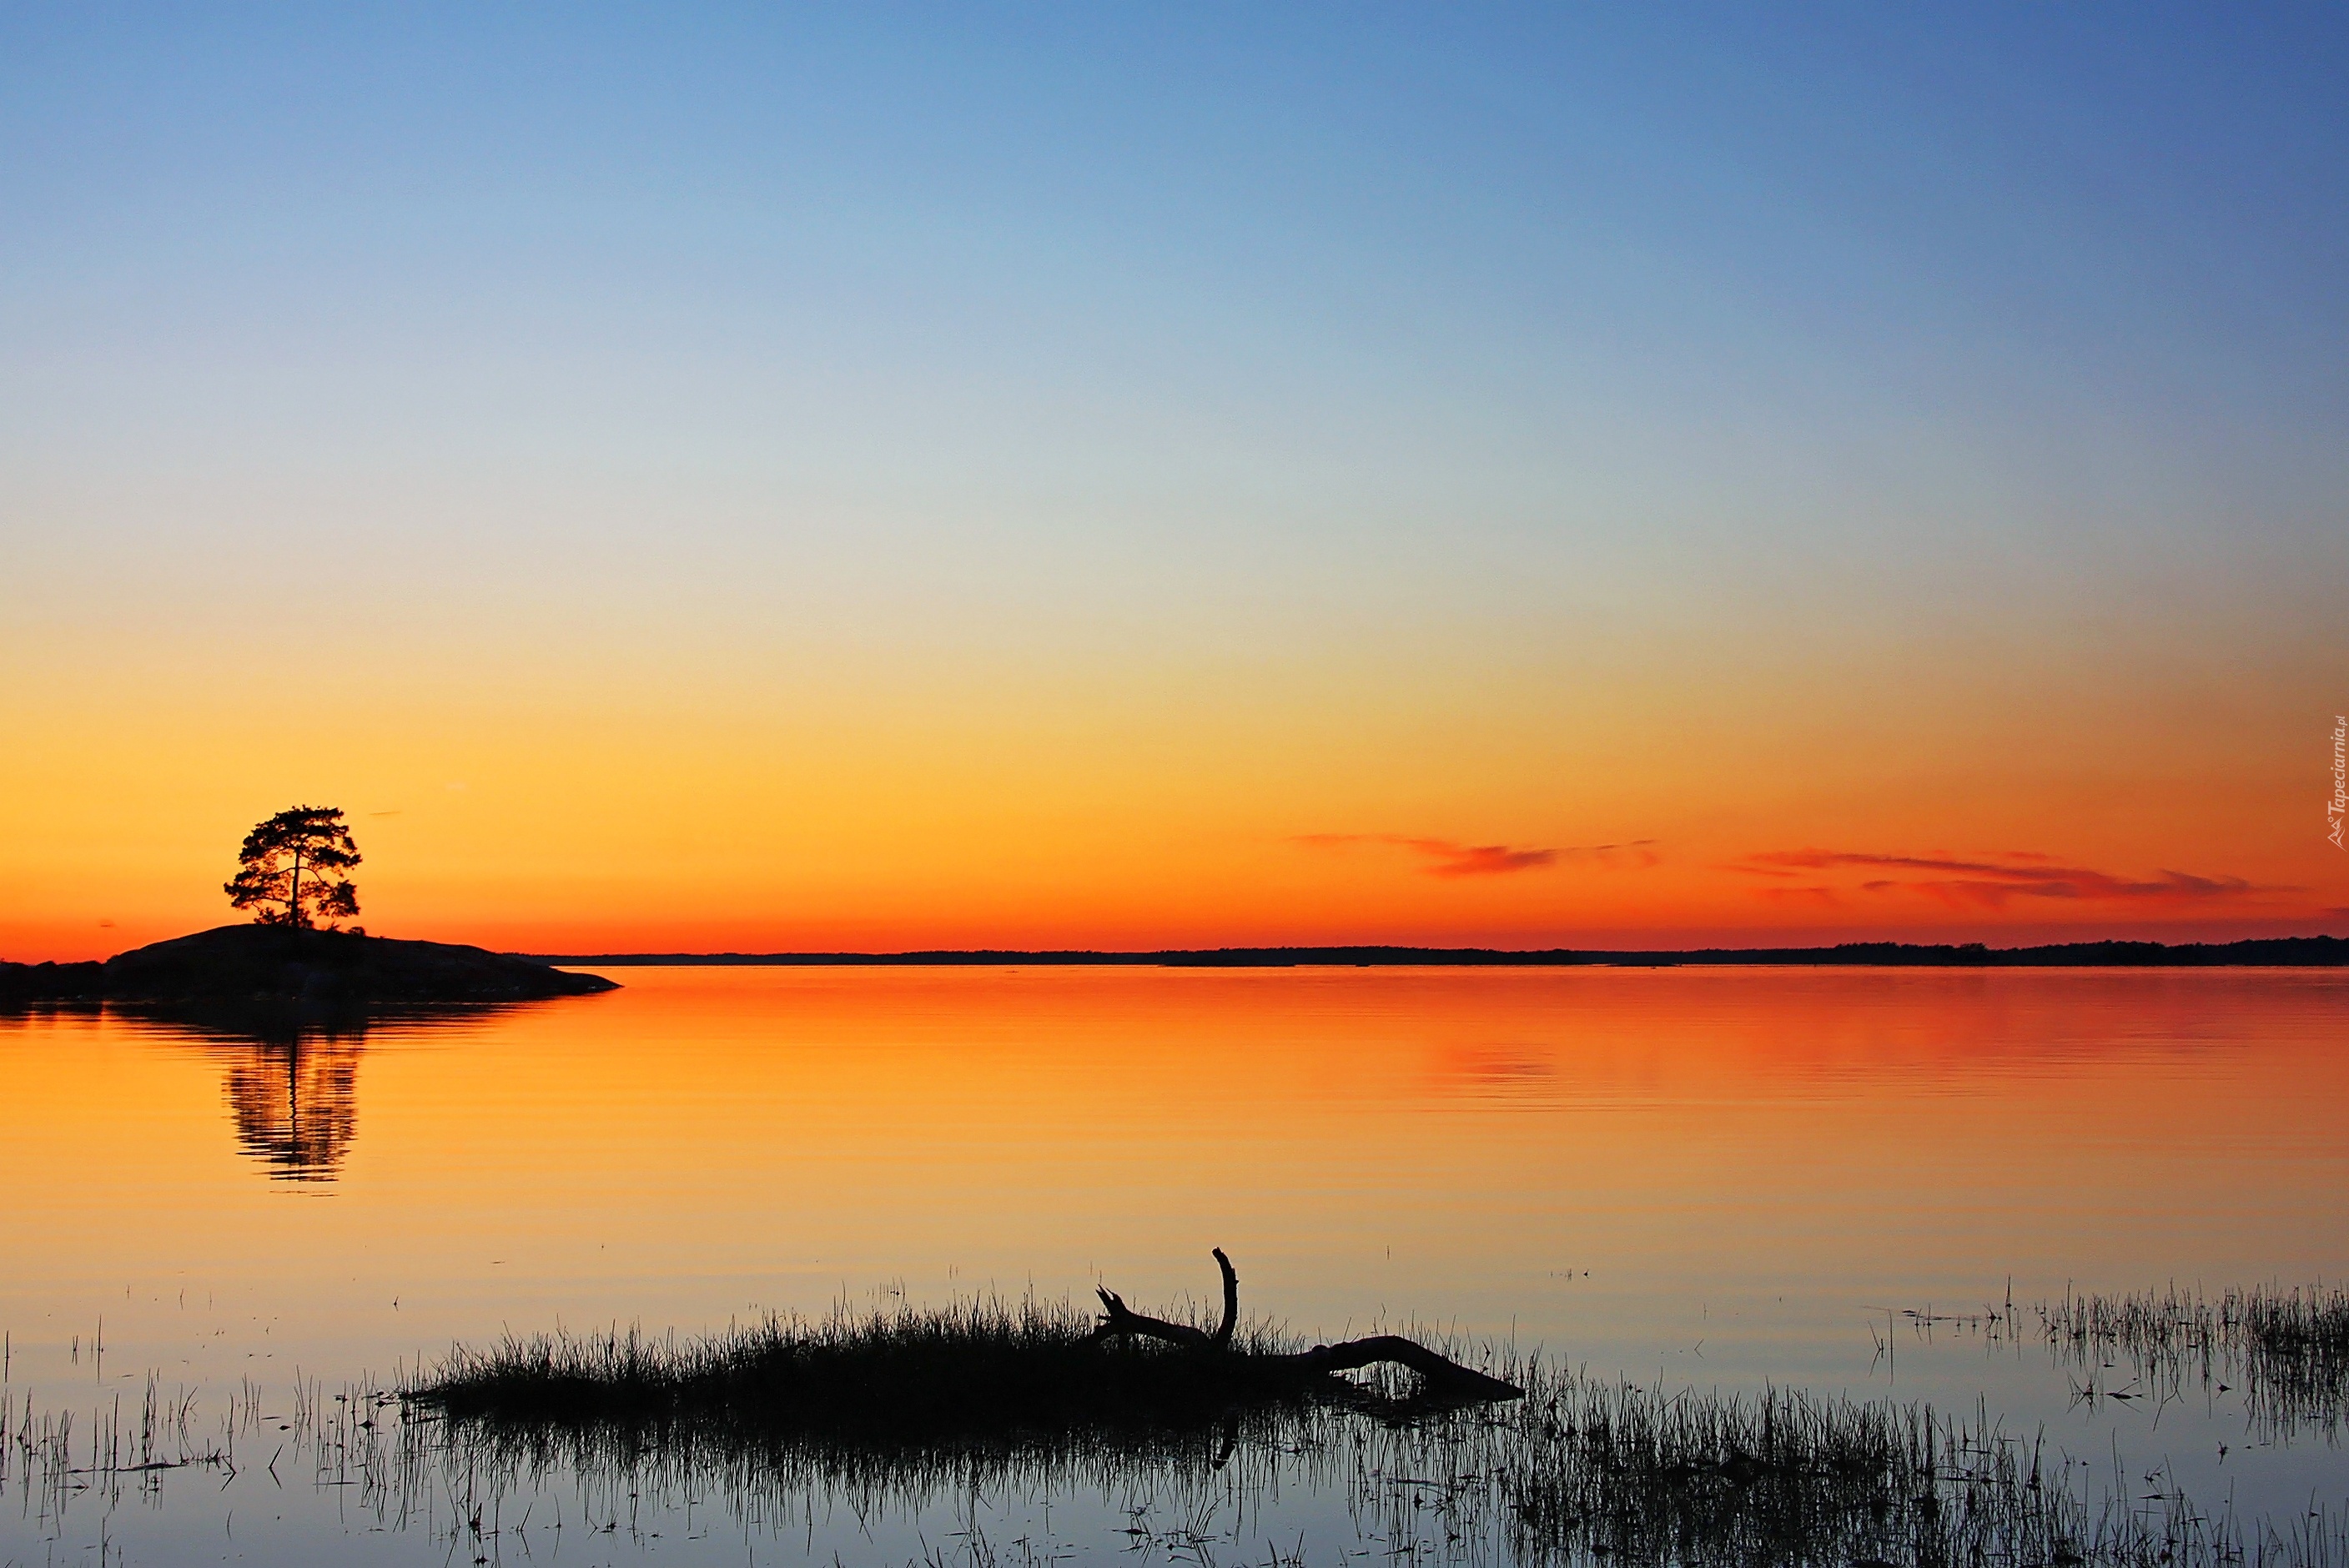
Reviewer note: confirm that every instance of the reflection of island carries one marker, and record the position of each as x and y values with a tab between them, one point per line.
295	1103
291	1076
287	1010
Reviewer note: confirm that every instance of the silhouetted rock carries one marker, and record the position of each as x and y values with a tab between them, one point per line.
274	965
51	982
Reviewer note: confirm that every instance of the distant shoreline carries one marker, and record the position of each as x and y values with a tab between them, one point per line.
2282	952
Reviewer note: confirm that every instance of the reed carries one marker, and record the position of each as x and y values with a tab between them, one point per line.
1596	1471
2287	1350
976	1367
1583	1471
2304	1324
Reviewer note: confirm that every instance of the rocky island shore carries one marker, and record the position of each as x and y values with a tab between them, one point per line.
279	965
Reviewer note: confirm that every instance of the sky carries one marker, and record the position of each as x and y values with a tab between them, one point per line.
897	476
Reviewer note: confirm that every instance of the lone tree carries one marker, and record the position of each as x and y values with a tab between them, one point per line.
269	869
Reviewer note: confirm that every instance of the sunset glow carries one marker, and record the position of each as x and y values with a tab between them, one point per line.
1476	784
816	483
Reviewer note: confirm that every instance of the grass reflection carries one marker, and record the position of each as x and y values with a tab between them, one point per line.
2286	1350
1584	1472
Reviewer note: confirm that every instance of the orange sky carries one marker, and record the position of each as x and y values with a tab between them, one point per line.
1544	477
1309	803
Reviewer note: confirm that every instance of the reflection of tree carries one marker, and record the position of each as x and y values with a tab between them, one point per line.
296	1104
293	1072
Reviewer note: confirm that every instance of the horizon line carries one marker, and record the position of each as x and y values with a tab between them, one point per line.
2319	949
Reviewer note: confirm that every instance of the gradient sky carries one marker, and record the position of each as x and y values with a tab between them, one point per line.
899	477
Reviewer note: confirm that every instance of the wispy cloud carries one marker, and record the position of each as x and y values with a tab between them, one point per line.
1994	881
1805	893
1448	858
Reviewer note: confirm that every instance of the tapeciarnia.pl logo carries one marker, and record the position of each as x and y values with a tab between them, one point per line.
2339	804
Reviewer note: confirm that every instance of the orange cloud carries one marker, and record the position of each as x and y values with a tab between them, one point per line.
1805	894
1451	859
1992	884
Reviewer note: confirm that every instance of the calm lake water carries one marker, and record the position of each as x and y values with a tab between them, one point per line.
1718	1179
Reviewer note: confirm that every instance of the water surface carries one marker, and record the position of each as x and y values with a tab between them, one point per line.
1722	1178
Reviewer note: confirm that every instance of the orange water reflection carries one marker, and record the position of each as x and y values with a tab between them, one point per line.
296	1106
1619	1163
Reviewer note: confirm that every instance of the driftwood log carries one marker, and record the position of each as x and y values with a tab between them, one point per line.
1444	1377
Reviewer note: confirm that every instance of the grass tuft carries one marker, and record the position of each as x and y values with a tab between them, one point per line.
976	1367
2287	1350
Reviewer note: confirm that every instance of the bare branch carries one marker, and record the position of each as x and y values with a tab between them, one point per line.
1120	1321
1231	1301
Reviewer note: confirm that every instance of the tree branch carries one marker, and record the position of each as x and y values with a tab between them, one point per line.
1231	1301
1120	1321
1441	1370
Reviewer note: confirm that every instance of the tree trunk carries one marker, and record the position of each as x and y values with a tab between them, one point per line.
1443	1373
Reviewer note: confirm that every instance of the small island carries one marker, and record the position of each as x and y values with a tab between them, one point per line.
286	965
293	872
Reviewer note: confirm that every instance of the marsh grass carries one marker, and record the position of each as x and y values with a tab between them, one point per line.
2286	1349
1595	1470
978	1367
1584	1472
78	1458
895	1409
